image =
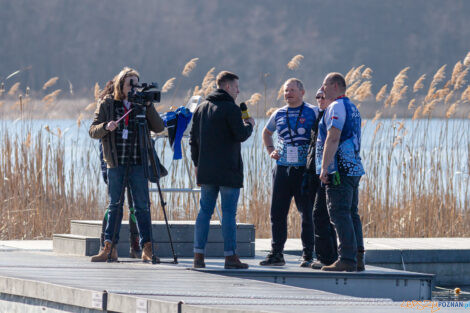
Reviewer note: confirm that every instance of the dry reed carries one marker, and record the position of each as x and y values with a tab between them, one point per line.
51	82
409	189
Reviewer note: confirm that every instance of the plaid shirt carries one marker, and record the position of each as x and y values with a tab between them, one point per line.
123	146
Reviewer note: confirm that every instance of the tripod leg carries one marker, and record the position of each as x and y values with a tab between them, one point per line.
155	169
175	259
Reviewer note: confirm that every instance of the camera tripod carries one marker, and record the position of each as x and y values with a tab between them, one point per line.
141	135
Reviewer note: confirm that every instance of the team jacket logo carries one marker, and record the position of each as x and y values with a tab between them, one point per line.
302	120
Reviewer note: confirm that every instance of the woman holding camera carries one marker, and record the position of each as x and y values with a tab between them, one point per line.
120	149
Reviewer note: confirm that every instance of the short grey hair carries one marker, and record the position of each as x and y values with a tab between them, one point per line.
299	83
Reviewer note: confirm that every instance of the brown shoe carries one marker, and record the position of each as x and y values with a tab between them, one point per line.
199	260
340	266
102	256
233	262
147	253
135	253
360	261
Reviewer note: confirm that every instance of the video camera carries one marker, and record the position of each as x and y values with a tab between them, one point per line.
144	94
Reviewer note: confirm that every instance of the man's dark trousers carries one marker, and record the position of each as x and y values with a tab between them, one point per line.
287	181
342	201
326	247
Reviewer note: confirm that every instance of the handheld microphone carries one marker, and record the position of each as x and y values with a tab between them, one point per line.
244	109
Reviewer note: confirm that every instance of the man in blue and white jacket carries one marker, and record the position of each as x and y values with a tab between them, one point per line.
340	168
293	123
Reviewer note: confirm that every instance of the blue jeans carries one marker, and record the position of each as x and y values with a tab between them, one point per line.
229	197
342	201
138	184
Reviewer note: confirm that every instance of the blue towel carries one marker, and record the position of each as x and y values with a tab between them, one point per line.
176	123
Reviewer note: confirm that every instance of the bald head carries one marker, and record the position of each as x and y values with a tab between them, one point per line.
337	78
334	85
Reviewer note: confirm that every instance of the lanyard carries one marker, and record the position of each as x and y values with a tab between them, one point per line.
342	96
126	119
296	122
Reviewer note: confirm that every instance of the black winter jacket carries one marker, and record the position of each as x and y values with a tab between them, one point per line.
216	133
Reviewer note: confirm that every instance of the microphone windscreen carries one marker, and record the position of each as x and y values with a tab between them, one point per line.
243	106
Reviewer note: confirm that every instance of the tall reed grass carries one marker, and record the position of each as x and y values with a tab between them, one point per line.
417	168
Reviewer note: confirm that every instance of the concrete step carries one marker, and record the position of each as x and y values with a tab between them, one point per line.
87	246
181	231
75	244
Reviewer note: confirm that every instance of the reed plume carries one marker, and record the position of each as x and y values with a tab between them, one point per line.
14	89
79	119
417	112
460	81
208	78
449	97
452	109
51	97
280	93
411	105
90	106
254	99
347	77
378	114
439	76
466	61
367	74
352	88
381	94
397	91
97	91
208	82
168	85
363	92
294	63
210	88
465	97
429	107
51	82
419	83
189	67
356	74
197	91
270	111
458	67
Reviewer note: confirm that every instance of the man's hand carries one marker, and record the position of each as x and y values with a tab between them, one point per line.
195	172
251	121
324	176
111	126
275	155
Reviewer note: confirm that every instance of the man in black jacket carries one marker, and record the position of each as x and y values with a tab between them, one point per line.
216	134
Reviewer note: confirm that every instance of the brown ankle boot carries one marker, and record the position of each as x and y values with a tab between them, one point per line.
198	260
361	266
102	256
340	266
233	262
147	253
